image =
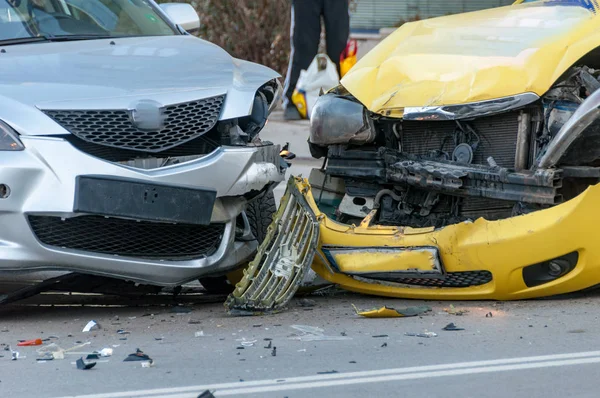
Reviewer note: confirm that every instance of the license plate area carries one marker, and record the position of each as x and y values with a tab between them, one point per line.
385	262
121	197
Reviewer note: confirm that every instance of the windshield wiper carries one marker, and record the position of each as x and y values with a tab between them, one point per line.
77	37
22	40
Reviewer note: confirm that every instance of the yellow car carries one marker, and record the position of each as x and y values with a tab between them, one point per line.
462	160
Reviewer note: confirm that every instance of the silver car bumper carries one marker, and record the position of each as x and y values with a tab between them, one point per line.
42	183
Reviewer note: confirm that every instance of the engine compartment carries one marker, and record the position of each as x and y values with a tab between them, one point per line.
432	173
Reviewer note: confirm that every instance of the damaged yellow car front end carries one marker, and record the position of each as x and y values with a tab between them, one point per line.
462	160
549	252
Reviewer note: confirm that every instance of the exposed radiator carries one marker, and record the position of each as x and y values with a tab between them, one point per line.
497	134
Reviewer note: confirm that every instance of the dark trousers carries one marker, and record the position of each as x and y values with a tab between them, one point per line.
306	35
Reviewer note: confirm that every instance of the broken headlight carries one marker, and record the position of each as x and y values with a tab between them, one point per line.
339	119
9	139
265	101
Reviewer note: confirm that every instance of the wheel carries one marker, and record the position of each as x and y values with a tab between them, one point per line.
260	214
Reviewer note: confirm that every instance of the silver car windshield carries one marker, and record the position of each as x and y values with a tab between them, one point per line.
21	20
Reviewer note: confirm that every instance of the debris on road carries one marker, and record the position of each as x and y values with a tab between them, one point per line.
425	334
312	333
384	345
388	312
92	325
328	372
489	315
248	343
281	260
274	352
29	343
121	331
453	311
200	334
148	364
306	303
52	349
206	394
452	327
46	357
83	365
378	336
270	345
15	355
137	356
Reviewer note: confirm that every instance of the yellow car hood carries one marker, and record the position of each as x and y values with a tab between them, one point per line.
475	56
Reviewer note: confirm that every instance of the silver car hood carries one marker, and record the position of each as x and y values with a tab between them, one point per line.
113	74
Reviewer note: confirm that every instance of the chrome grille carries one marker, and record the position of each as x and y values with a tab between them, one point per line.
114	128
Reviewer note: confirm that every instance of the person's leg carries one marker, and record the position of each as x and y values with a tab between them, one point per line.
305	34
337	28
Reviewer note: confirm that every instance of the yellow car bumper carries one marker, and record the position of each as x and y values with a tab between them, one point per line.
503	260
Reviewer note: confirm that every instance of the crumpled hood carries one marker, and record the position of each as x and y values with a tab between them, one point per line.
113	74
475	56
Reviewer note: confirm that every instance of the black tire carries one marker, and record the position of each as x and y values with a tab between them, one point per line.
260	214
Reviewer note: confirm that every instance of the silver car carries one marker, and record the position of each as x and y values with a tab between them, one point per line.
129	148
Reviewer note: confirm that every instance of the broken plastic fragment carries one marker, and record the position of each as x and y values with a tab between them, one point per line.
452	327
121	331
137	356
312	333
247	343
45	357
81	364
92	356
148	364
28	343
106	352
92	325
453	311
388	312
206	394
424	334
306	302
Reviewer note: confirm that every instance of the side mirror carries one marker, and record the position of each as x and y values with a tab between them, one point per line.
182	14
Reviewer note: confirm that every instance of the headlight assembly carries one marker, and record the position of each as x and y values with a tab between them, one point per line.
9	139
340	120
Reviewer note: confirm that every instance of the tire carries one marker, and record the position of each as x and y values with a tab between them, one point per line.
260	214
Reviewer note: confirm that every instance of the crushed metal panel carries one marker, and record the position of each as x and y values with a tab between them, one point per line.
277	271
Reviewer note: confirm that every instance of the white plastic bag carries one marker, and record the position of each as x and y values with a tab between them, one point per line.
321	75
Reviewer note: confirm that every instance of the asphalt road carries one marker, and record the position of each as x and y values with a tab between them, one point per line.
526	349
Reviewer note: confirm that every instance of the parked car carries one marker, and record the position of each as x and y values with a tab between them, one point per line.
129	148
463	159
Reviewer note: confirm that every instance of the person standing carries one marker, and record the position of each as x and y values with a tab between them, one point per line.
305	38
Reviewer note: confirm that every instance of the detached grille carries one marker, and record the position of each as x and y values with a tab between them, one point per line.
128	238
115	128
